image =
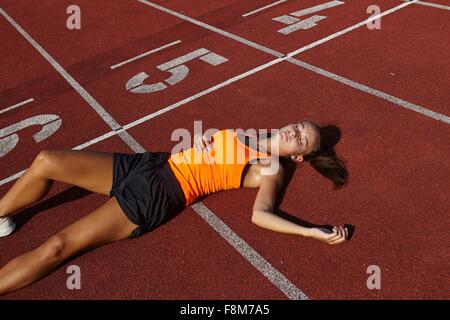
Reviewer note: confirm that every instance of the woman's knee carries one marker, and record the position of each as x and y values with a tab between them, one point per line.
53	249
44	162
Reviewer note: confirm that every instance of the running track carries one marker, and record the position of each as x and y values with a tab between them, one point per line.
387	89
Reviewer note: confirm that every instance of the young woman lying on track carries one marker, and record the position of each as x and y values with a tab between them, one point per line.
145	188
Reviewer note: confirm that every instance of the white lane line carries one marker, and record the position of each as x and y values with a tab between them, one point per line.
276	61
263	8
12	178
214	29
327	74
95	140
347	30
251	255
273	275
361	87
17	105
145	54
79	147
318	8
112	123
202	93
397	101
431	4
268	50
353	84
262	265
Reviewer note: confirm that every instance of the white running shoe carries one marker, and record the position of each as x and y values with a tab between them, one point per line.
7	226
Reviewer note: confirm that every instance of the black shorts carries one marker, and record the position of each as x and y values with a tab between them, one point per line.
146	189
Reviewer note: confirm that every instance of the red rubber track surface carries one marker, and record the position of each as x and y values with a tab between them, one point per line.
397	197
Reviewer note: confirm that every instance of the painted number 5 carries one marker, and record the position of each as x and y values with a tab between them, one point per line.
49	123
176	68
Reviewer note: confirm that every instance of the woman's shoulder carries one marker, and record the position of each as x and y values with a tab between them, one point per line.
260	169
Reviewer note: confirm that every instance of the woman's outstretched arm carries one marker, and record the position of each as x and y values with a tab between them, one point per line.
264	214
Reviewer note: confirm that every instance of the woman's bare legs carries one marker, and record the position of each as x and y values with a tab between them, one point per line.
106	224
89	170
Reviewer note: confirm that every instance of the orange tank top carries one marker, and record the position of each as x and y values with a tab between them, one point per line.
219	169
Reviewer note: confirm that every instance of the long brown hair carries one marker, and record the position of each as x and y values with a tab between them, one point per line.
325	159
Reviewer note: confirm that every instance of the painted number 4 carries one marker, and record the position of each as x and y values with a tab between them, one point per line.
176	67
296	24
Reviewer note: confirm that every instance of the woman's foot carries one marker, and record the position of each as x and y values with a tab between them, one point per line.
7	226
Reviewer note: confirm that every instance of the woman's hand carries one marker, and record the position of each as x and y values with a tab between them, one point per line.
203	143
332	237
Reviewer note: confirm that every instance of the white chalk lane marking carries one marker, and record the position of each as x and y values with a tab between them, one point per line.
145	54
289	58
263	8
377	93
202	93
12	177
327	74
214	29
278	279
317	8
93	103
17	105
431	4
240	245
351	28
263	266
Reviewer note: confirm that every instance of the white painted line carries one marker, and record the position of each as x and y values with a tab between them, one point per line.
112	123
12	178
347	30
361	87
302	24
183	59
202	93
103	137
79	147
286	19
214	29
130	141
348	82
397	101
268	50
263	8
17	105
290	290
252	256
213	59
145	54
431	4
318	8
262	265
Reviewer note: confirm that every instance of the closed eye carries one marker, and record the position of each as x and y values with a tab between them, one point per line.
300	137
306	139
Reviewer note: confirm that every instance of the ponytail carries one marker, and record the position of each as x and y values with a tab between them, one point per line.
327	163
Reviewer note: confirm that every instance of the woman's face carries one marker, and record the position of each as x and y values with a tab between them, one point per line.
298	139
